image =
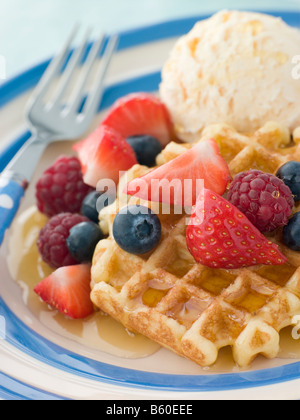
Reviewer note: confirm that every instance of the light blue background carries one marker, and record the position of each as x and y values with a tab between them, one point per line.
33	30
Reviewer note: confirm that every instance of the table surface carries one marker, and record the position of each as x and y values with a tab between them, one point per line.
33	30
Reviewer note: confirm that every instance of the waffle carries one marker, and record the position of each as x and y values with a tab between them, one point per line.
188	308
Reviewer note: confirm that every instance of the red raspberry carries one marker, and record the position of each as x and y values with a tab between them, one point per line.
61	187
263	198
52	239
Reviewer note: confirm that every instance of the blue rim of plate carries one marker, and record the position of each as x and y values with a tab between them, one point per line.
12	389
36	346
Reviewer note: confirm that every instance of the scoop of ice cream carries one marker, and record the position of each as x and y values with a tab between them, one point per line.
234	68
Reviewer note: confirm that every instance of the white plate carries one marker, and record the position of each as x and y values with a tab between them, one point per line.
36	362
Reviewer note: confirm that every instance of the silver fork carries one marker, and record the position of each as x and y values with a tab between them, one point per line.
56	120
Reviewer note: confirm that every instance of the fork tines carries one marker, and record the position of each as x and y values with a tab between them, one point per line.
67	62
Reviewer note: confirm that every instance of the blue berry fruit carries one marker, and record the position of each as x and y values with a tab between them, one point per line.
89	206
82	241
94	202
146	149
290	174
291	233
137	230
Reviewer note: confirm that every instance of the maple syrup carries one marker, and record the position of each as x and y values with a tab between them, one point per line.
99	331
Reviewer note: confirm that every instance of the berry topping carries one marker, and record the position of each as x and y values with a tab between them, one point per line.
220	236
68	290
89	206
137	230
52	239
103	155
61	187
82	241
146	149
263	198
290	174
94	202
291	233
140	113
202	162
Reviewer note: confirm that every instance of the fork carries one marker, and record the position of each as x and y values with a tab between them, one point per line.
54	120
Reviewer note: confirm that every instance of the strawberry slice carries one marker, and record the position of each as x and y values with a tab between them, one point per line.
220	236
103	155
68	290
177	182
140	113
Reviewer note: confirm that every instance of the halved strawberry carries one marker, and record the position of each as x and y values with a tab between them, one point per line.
202	162
103	155
68	290
220	236
140	113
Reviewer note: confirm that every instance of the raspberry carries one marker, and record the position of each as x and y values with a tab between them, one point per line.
263	198
61	187
52	239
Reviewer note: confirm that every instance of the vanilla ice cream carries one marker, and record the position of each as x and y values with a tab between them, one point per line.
234	68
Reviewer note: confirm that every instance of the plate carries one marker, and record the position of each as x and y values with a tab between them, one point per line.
37	362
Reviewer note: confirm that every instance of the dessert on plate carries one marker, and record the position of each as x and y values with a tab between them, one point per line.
194	244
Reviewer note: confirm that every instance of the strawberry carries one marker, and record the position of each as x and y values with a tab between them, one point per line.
68	290
202	162
140	113
220	236
103	155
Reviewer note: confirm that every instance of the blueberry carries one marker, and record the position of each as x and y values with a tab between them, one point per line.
146	149
82	241
137	230
290	174
93	204
291	233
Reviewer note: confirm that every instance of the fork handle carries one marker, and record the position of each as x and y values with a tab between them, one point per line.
12	189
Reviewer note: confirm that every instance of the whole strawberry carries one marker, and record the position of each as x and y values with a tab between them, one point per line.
263	198
220	236
61	188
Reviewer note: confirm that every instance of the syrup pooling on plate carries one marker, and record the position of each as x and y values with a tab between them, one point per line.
101	331
98	331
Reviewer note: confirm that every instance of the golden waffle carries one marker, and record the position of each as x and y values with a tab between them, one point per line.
186	307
